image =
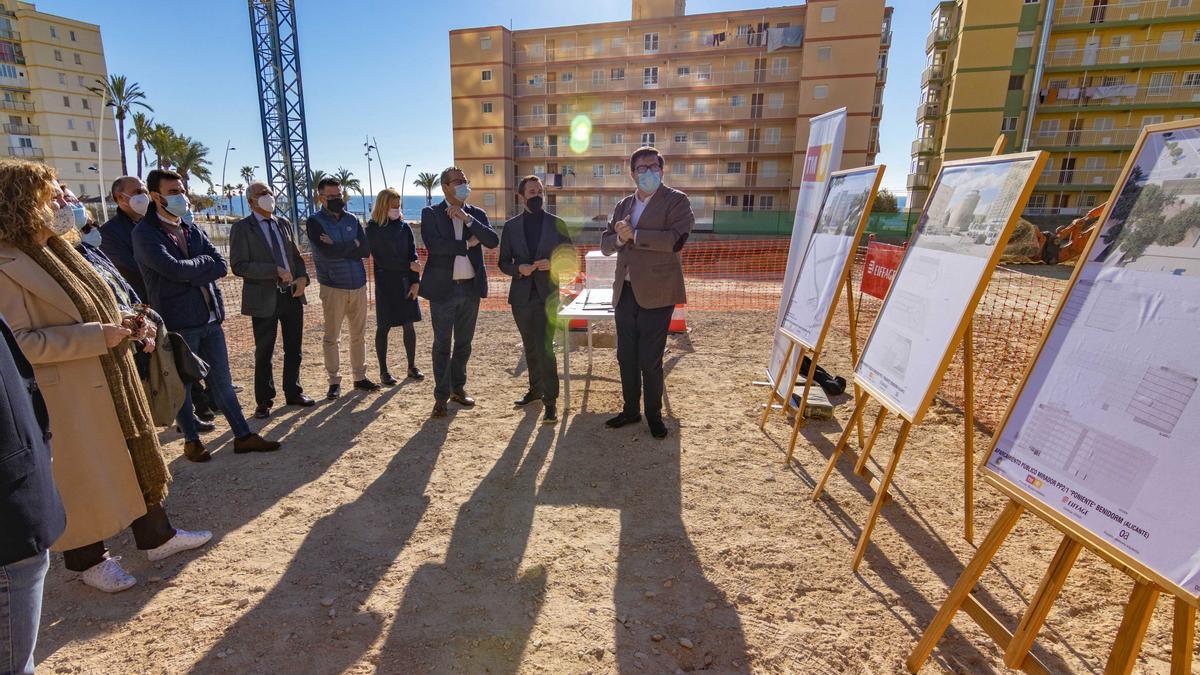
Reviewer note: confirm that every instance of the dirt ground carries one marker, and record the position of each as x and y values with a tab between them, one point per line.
380	540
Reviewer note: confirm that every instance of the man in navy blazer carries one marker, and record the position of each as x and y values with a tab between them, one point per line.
454	280
31	513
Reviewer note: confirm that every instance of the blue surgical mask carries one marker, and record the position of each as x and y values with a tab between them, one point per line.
177	205
81	215
462	191
649	181
93	237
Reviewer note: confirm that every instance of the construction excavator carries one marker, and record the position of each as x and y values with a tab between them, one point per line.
1060	246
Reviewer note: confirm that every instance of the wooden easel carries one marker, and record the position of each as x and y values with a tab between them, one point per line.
1017	644
814	351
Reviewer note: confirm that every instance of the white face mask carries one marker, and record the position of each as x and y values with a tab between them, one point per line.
394	214
139	203
63	221
93	237
267	203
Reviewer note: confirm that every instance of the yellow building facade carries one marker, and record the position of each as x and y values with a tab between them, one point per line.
1108	68
727	105
47	65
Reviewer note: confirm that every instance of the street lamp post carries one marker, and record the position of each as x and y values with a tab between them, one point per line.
380	158
402	179
224	164
100	157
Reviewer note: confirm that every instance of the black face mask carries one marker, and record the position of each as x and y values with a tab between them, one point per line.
336	205
534	204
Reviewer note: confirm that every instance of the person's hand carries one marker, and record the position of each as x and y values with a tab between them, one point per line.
148	345
543	264
526	270
114	334
413	290
472	241
298	286
415	266
326	240
284	275
457	212
624	230
149	331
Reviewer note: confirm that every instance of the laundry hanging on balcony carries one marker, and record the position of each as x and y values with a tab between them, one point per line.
788	36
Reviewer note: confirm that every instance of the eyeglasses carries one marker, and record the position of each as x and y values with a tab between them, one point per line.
459	181
639	170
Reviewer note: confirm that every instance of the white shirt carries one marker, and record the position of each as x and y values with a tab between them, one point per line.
462	264
272	232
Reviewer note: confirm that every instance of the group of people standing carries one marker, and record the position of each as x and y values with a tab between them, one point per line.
86	310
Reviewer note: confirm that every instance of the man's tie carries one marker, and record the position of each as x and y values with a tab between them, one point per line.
276	252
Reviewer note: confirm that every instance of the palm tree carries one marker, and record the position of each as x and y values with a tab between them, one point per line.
121	95
228	191
165	143
316	178
350	183
427	180
142	128
193	160
248	174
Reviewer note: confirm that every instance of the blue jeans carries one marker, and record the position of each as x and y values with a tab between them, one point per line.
208	342
21	611
453	319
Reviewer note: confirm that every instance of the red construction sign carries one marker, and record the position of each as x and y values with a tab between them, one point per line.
880	267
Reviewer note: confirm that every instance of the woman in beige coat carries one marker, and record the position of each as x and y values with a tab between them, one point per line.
108	465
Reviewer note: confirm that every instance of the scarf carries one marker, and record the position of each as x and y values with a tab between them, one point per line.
96	304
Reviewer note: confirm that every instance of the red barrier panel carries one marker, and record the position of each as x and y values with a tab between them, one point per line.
879	267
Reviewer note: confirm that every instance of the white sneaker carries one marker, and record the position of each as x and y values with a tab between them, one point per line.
108	576
182	541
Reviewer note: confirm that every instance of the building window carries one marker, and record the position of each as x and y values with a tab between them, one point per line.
537	80
1196	37
62	78
775	100
1170	42
1120	42
736	135
1152	119
617	169
598	76
766	202
487	107
78	167
1024	39
486	75
650	76
680	103
90	126
86	104
597	171
1160	84
647	138
733	167
57	55
78	60
81	81
650	42
539	142
681	137
1016	82
616	107
74	146
53	32
737	100
828	14
92	146
7	71
489	169
731	200
1037	201
697	171
70	123
741	66
683	72
779	65
821	91
1032	2
769	169
649	110
704	72
489	199
485	42
1008	124
488	139
1094	164
66	101
1191	80
1102	124
1047	128
771	136
1113	80
566	77
702	105
617	74
824	53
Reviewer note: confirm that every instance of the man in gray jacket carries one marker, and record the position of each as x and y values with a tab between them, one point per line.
263	252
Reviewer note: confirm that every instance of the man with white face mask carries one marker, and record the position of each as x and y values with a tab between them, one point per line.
263	252
132	198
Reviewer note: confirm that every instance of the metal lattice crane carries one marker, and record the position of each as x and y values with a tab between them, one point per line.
281	102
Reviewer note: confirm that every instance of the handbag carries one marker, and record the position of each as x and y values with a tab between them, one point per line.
191	368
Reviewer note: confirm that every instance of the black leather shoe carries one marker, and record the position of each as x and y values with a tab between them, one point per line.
415	373
460	397
551	415
387	380
439	409
365	385
657	429
335	390
206	415
202	425
528	398
622	420
262	412
302	401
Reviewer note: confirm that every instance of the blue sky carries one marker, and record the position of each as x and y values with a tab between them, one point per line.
379	67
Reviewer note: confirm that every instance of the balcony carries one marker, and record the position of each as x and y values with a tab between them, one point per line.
1129	55
929	110
1099	179
924	146
523	54
881	75
1086	138
12	58
933	73
709	181
885	39
13	35
661	115
1077	12
23	129
938	36
918	180
27	153
1053	211
672	149
1124	96
635	80
22	106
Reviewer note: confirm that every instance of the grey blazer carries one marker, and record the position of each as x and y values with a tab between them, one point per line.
652	259
250	258
514	252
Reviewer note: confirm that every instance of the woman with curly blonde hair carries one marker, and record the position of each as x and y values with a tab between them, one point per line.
108	465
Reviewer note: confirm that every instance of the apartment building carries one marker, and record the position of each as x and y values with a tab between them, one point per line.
47	65
1107	68
725	96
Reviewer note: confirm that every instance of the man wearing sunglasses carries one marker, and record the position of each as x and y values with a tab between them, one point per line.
647	231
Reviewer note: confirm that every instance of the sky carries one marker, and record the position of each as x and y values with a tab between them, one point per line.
380	67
